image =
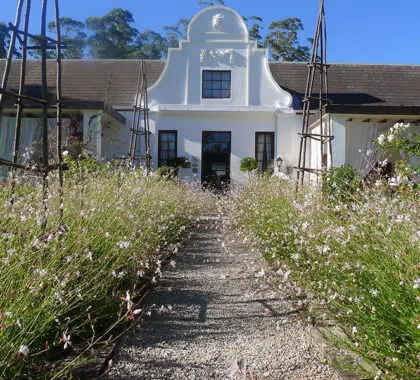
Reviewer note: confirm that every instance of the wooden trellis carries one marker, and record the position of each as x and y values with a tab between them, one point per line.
141	112
44	43
318	65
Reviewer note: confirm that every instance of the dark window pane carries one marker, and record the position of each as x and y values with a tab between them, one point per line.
225	94
226	75
217	85
206	75
217	75
171	145
206	93
225	137
207	85
216	93
226	85
224	147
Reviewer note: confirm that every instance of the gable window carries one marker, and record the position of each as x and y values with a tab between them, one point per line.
167	149
216	84
264	150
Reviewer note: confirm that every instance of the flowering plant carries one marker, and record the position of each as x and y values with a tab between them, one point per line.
404	139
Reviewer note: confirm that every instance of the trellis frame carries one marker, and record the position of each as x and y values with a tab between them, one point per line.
45	43
318	65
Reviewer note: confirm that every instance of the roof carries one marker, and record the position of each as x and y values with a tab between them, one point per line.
353	88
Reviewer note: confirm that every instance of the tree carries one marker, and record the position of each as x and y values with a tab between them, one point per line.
4	39
176	33
113	35
204	3
254	26
72	34
149	45
284	43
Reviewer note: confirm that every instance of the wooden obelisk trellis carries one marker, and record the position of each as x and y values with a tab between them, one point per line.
44	43
139	132
317	66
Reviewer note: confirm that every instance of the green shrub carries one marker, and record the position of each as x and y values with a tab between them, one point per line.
166	172
248	164
341	184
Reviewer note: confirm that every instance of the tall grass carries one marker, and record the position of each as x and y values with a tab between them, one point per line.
69	284
361	259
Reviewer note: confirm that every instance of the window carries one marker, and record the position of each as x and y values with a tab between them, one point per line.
167	149
216	84
264	150
216	142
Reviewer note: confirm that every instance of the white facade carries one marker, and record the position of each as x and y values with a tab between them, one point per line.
218	40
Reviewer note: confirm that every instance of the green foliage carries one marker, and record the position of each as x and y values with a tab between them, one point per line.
166	172
405	140
361	263
205	3
113	35
255	29
73	35
149	45
4	39
76	279
341	184
175	33
82	165
248	164
179	162
284	43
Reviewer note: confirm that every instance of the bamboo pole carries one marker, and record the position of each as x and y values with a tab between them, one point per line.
44	112
59	118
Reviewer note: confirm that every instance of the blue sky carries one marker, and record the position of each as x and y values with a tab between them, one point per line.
364	31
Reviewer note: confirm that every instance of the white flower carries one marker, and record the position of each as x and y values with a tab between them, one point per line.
354	330
381	139
416	283
172	263
24	349
391	137
65	153
66	340
123	244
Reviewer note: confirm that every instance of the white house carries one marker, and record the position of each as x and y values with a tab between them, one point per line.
218	99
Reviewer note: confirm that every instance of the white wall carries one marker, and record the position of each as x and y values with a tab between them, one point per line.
257	103
208	49
191	125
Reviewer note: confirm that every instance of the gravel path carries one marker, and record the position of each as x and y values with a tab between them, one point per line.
223	309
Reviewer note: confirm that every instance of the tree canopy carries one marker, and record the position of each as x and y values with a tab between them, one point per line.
73	35
283	41
115	36
4	38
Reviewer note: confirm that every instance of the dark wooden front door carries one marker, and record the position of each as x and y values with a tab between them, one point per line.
215	169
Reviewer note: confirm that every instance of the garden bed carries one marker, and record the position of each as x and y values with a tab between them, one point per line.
64	289
359	258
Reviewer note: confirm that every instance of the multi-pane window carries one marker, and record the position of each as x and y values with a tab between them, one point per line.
216	84
216	142
167	151
264	150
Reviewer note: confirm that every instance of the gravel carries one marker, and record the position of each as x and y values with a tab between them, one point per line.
216	307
